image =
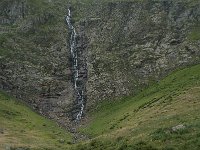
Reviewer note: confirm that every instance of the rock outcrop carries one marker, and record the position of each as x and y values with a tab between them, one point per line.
132	44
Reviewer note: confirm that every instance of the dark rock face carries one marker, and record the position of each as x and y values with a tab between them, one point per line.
134	43
126	46
78	68
11	11
34	56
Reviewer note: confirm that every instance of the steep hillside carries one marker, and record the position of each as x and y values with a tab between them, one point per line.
123	63
134	42
123	45
20	127
164	116
34	62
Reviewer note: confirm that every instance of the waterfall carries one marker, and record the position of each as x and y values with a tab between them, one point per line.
78	82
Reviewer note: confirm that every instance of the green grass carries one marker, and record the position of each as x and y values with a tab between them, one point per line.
146	120
194	35
21	127
143	122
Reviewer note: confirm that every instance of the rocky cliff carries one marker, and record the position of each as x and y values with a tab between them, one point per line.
34	56
134	43
126	45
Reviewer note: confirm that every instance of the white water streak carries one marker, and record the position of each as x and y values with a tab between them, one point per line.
79	93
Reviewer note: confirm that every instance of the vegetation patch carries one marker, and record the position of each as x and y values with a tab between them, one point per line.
21	127
165	116
194	35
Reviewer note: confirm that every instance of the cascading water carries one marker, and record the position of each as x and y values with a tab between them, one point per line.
77	70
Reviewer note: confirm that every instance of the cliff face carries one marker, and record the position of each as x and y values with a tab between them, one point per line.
134	43
126	45
34	63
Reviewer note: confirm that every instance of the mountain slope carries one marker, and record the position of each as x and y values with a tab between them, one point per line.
163	116
34	63
132	42
125	43
21	127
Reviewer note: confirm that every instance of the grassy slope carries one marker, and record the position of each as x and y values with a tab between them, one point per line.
21	127
142	122
146	121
